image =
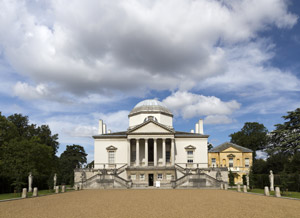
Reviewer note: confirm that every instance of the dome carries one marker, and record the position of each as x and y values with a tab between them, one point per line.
150	105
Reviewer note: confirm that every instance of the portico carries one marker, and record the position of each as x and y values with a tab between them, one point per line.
146	151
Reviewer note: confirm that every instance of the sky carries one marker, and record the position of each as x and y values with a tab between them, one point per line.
68	64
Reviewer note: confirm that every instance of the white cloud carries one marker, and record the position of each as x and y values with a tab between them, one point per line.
25	91
131	47
190	105
218	119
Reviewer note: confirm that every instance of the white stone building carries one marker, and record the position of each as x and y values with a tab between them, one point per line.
150	153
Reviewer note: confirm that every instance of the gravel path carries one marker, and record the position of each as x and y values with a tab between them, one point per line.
151	203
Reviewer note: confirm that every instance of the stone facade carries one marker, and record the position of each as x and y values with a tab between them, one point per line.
151	153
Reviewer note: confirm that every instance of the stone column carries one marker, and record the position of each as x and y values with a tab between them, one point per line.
24	193
155	152
63	188
164	151
128	152
245	188
146	152
137	144
172	152
238	188
221	186
57	189
35	192
226	186
277	192
267	193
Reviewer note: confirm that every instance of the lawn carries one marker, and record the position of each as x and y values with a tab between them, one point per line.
272	193
18	195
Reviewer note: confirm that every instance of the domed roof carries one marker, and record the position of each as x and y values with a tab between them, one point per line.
150	105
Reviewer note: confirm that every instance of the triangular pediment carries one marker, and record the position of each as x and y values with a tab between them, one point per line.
151	127
190	147
231	149
111	148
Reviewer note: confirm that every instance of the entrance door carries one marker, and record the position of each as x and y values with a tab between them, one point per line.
150	178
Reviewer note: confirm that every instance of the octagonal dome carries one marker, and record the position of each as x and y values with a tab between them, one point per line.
150	105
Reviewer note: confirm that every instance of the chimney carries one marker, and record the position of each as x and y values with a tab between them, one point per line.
201	126
192	131
104	128
197	128
100	129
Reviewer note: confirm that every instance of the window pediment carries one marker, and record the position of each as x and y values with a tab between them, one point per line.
230	155
111	148
190	147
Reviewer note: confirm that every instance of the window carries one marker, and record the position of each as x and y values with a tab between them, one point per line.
142	176
190	153
224	162
190	156
133	176
213	162
159	176
111	157
168	155
238	162
230	162
246	162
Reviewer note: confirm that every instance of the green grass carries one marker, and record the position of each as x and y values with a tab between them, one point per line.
18	195
272	193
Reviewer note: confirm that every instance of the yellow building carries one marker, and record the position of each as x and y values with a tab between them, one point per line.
236	158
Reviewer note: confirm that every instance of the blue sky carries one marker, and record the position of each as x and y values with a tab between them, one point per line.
227	62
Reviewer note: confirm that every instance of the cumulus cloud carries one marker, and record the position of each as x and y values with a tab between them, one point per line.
190	105
112	47
25	91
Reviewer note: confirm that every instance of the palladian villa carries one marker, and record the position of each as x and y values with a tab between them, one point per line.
151	153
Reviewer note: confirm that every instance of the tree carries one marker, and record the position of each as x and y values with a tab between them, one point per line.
286	137
73	156
24	156
252	135
260	167
209	146
231	178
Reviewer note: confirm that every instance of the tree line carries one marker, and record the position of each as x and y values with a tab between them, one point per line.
26	147
282	147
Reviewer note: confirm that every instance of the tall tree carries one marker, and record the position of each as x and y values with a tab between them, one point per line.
253	135
286	137
73	156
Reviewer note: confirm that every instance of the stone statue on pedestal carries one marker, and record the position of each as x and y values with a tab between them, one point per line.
30	179
271	178
54	180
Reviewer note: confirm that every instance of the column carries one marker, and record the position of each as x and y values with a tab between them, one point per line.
137	152
128	152
164	151
155	152
172	152
146	152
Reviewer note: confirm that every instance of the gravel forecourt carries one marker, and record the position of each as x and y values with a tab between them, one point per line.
151	203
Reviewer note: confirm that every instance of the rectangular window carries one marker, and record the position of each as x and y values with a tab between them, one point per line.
213	162
111	157
246	162
190	161
159	176
133	176
190	153
230	162
142	176
168	155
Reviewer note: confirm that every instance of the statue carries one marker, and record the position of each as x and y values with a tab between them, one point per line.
271	178
54	180
30	179
218	175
